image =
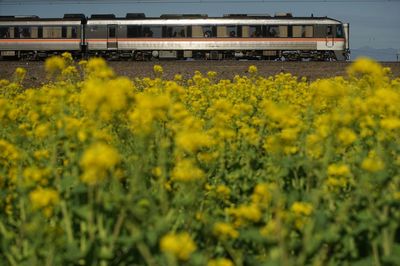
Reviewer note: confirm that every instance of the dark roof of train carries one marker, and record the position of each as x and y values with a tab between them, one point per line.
140	16
13	18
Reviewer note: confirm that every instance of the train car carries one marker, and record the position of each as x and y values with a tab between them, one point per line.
31	37
192	36
282	37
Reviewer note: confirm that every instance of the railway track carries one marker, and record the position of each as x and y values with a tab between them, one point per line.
225	69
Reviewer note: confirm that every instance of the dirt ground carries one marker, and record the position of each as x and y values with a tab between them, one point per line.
225	69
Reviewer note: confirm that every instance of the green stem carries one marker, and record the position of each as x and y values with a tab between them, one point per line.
91	225
387	242
11	259
375	252
50	258
235	255
117	228
67	222
146	254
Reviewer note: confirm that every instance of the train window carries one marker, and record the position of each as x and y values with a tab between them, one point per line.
152	31
297	31
134	31
339	31
52	32
283	31
175	32
69	32
308	31
197	31
74	32
222	32
303	31
290	31
255	31
40	32
272	31
5	32
209	31
34	32
22	32
232	31
329	30
239	31
64	32
189	31
112	32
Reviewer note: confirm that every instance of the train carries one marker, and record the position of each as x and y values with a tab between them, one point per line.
176	36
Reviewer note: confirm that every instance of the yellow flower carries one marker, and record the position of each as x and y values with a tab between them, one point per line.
41	154
20	74
97	68
252	69
302	208
220	262
67	57
149	109
158	70
270	229
211	74
334	182
42	130
44	197
365	66
54	65
247	212
69	71
106	97
9	154
338	170
262	194
100	155
223	191
225	230
346	136
157	171
178	77
373	163
180	245
36	174
186	170
4	82
390	123
328	89
193	141
289	134
96	161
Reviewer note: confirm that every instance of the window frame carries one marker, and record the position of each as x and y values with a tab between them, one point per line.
6	32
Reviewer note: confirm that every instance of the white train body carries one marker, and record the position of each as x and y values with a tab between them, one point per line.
179	37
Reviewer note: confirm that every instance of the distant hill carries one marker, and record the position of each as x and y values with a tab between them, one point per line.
388	54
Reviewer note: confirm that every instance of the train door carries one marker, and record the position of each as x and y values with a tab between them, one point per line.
329	36
112	42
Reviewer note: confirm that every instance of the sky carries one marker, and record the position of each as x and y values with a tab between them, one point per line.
373	23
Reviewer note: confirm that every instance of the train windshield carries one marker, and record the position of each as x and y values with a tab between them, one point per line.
339	31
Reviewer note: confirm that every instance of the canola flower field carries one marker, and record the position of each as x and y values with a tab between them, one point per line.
97	169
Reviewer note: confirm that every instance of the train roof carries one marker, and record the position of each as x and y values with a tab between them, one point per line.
68	19
30	18
213	21
169	19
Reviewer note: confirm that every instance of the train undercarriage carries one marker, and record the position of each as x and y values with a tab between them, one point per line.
217	55
127	55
